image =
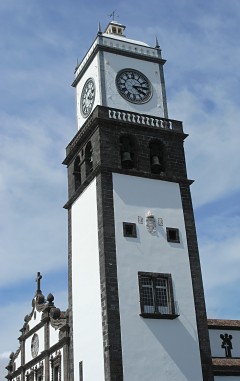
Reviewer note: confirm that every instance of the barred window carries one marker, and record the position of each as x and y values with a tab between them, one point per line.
156	296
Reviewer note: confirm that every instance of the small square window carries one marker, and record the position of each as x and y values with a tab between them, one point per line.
129	229
173	235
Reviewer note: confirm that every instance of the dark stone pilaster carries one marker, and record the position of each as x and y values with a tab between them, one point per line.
22	344
46	347
70	314
198	292
108	278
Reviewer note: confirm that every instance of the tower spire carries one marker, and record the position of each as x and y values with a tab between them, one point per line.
157	46
99	28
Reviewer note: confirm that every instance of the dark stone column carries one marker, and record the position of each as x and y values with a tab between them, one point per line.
70	316
46	345
198	292
108	278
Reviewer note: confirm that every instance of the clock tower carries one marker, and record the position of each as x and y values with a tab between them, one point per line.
136	300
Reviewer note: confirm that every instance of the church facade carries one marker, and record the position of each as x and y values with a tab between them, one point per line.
136	302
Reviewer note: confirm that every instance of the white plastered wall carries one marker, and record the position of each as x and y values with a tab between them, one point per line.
87	320
154	349
53	335
28	354
18	361
35	319
113	64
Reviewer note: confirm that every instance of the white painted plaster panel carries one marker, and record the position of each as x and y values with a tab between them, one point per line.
36	319
216	342
28	353
162	349
87	321
53	335
18	361
113	63
91	72
227	378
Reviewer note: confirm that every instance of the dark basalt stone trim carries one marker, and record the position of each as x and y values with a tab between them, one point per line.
108	279
164	94
224	324
70	316
226	372
159	316
46	343
221	328
42	323
130	172
101	72
82	187
100	117
198	292
115	51
34	329
226	366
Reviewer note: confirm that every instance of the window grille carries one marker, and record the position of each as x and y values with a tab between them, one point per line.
156	296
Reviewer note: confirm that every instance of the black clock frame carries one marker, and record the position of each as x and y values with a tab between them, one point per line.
84	92
141	94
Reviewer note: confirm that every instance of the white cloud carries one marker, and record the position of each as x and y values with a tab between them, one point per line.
4	355
212	148
219	249
33	191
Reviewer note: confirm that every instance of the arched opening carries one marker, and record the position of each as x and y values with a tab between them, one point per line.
77	173
88	158
156	157
127	152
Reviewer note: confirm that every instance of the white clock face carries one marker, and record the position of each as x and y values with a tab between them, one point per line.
87	97
134	86
35	345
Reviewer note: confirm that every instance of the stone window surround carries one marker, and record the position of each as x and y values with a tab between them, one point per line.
56	364
173	309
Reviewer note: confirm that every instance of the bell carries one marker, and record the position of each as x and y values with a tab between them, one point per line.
156	166
126	159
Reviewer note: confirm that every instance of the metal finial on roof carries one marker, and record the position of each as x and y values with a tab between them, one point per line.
99	28
76	66
157	44
113	15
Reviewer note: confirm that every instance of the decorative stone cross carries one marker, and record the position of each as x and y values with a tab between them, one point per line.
227	344
38	280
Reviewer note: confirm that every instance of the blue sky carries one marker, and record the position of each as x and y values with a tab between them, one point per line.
40	44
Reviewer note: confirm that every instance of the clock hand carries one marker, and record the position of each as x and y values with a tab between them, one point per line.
139	89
